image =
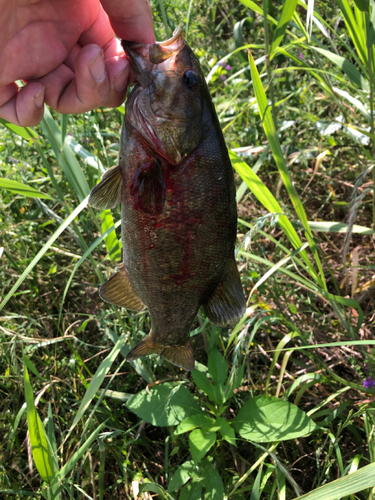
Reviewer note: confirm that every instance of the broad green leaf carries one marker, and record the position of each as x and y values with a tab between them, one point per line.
43	250
183	473
213	484
40	446
286	15
164	404
203	475
155	488
349	485
192	422
192	491
346	66
263	419
226	430
200	443
204	384
218	369
22	189
97	380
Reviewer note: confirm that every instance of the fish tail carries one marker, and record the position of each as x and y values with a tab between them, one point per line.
182	356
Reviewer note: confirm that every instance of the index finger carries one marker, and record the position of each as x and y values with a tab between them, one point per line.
130	19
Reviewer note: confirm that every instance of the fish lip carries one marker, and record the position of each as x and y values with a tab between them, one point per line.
176	34
136	45
145	57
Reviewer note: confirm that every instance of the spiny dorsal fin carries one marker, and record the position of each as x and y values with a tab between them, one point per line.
118	290
182	356
107	194
227	305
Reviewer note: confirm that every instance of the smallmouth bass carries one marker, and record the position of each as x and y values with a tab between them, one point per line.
179	217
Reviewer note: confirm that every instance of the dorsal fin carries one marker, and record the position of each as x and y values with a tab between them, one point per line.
227	304
107	194
119	291
182	356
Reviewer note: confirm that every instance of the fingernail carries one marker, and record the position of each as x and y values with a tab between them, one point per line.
39	98
121	80
97	67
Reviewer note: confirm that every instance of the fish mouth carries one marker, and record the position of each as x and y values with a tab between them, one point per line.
146	59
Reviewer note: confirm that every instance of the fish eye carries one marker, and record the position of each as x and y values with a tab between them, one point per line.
191	79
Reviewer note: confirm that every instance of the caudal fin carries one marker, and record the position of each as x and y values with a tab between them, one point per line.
182	356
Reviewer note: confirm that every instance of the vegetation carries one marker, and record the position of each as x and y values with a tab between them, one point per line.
278	407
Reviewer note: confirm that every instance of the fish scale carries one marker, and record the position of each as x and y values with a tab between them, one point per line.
178	203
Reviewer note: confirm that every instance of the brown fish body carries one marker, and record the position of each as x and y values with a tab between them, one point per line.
178	205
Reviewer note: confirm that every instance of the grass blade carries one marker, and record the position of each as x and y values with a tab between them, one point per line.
270	130
346	66
348	485
24	132
286	15
22	189
40	445
65	156
267	199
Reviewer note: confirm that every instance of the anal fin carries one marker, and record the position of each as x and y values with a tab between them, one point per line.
182	356
107	194
227	305
119	291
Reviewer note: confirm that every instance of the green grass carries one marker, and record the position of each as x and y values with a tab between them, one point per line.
267	413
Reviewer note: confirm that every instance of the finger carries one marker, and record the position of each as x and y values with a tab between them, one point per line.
22	107
130	20
95	82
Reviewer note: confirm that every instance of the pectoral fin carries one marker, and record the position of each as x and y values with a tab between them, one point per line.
182	356
107	194
227	305
119	291
148	188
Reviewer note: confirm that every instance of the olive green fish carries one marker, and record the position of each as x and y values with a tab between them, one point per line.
175	183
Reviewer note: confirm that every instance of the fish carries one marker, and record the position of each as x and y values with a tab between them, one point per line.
176	186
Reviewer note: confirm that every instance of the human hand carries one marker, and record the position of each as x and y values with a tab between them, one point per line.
66	53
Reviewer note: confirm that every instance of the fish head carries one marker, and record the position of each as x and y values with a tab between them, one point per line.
166	106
